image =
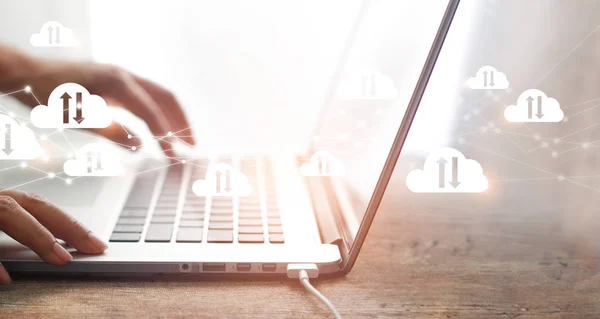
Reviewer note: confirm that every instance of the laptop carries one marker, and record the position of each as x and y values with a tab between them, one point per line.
244	213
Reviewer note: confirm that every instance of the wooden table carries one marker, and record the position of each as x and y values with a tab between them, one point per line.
427	256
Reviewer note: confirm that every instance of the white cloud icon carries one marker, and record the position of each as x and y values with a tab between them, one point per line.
534	106
18	141
323	163
367	85
223	181
70	105
447	171
488	78
94	159
53	34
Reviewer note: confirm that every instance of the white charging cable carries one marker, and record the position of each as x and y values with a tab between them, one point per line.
304	272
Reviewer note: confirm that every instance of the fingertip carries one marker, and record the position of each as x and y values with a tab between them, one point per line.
4	276
98	245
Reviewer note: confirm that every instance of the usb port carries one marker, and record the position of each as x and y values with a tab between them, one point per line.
243	267
213	267
269	267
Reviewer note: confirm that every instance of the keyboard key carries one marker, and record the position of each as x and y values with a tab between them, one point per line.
131	221
220	236
219	211
275	230
251	215
162	220
132	212
128	229
250	222
166	205
250	230
273	214
125	237
274	222
223	226
251	238
191	223
221	218
276	238
189	235
159	233
192	216
164	212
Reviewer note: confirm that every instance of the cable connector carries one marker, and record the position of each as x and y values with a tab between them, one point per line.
304	272
293	270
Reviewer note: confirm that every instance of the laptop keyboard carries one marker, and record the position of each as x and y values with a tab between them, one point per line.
246	219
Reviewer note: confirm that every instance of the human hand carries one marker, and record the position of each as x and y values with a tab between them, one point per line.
36	223
155	105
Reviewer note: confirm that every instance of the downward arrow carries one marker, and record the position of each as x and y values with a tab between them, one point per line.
98	161
218	175
492	78
442	171
79	108
454	181
529	107
7	140
539	108
57	35
66	97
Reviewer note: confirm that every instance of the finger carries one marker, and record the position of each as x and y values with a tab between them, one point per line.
167	102
135	98
58	222
118	134
4	276
24	228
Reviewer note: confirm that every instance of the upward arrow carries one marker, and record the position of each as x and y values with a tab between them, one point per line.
50	33
539	108
66	97
227	181
454	181
442	171
485	79
492	78
7	140
218	184
79	108
529	107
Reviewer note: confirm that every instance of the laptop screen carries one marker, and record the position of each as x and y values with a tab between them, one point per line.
376	81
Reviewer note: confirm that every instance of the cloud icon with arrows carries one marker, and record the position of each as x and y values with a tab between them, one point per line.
94	159
447	171
323	163
488	78
534	106
70	105
18	141
53	34
367	85
223	181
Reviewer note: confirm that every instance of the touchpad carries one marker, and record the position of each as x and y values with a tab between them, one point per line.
36	177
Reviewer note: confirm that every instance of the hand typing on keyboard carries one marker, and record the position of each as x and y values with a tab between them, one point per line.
37	223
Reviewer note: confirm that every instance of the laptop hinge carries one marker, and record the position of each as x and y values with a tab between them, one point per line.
325	211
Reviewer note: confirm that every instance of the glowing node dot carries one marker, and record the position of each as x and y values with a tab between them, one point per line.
565	119
544	144
129	136
169	133
556	140
23	165
554	154
133	148
537	137
28	89
467	117
560	177
585	145
69	181
183	161
51	175
79	106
